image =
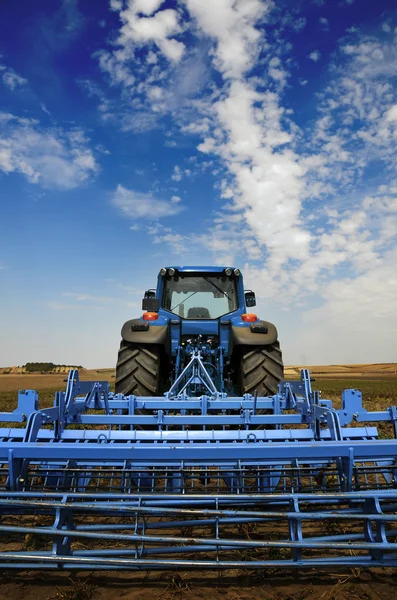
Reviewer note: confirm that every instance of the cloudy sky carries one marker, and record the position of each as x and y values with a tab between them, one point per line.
256	133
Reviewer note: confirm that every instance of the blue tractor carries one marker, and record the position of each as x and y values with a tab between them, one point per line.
197	318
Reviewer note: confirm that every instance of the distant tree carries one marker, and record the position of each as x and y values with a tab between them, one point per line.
44	367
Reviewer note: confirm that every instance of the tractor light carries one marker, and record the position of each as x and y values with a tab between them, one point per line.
249	317
228	272
150	316
237	272
171	272
163	271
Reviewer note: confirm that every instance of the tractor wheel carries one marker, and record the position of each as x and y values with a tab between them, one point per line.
262	369
138	369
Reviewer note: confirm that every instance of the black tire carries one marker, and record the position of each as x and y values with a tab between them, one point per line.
262	369
138	369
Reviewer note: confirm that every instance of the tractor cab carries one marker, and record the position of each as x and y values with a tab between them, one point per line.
199	294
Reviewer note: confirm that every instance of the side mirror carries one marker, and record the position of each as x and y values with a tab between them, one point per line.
150	303
250	299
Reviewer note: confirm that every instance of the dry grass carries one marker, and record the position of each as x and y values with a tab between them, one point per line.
36	381
78	590
356	371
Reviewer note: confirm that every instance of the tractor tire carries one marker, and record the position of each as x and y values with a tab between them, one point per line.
137	369
262	369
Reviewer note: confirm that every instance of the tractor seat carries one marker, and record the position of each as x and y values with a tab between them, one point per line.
198	312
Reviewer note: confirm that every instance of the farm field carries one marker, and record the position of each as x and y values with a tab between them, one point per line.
379	386
376	372
359	371
378	382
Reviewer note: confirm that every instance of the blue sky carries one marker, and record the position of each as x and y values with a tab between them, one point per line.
138	133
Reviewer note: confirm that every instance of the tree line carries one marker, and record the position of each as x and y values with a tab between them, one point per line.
46	367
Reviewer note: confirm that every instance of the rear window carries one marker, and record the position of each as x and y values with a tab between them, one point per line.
206	296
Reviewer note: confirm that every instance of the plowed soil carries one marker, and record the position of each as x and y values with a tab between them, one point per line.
266	585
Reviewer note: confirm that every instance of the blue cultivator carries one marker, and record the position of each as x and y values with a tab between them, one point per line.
106	481
232	467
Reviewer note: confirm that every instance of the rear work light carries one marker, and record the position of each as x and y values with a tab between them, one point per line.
249	317
150	316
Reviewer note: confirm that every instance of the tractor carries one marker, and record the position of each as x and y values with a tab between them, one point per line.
199	310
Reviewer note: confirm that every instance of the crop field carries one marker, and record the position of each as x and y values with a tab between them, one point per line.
379	392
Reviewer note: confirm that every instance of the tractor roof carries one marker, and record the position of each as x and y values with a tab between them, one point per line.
201	269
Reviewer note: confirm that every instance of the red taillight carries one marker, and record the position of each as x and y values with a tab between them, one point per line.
249	317
150	316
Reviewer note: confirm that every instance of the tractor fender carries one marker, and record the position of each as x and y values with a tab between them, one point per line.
246	336
141	332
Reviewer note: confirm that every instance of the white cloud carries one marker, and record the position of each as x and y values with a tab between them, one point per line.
45	109
62	306
233	26
155	93
315	56
151	58
276	72
324	23
158	29
83	297
356	126
119	73
360	309
176	242
52	157
89	301
116	5
267	178
177	174
12	80
391	114
150	85
299	24
139	205
146	7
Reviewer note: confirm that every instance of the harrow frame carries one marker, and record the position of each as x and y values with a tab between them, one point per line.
106	481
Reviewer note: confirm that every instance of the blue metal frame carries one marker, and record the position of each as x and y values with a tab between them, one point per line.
175	481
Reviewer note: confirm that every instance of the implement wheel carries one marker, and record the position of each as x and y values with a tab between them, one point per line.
262	369
138	369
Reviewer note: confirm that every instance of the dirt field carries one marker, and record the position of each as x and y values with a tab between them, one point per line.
379	386
382	371
267	585
33	381
370	371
